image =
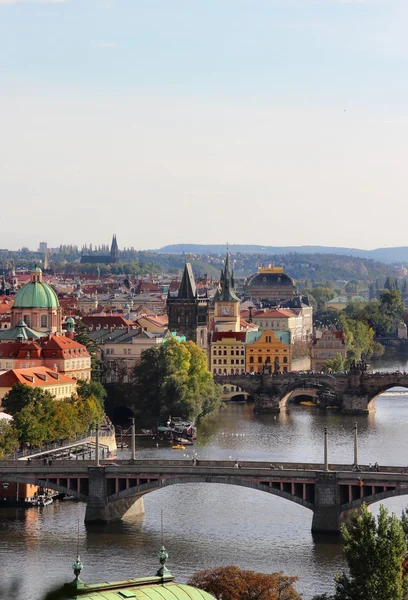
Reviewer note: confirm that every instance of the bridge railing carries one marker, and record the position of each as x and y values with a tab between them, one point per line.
26	452
129	467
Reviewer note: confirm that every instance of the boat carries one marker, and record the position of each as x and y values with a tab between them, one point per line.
71	498
308	403
42	500
178	447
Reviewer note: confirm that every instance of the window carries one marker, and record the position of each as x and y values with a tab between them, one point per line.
225	361
251	359
225	353
232	361
44	321
260	359
232	352
242	352
285	359
27	320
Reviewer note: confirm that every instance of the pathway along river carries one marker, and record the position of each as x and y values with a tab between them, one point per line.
207	525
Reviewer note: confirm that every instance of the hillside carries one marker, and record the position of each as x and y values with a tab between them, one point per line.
388	255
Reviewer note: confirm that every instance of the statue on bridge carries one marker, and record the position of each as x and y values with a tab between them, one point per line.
359	367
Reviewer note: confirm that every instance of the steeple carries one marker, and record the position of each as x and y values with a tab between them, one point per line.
114	251
188	288
227	292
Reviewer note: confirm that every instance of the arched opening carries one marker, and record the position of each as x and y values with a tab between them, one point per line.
383	398
121	415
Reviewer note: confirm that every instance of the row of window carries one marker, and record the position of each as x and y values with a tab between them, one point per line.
221	361
232	352
267	360
232	372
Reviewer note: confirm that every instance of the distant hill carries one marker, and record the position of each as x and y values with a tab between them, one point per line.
388	255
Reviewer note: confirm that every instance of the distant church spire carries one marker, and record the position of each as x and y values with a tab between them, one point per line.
114	251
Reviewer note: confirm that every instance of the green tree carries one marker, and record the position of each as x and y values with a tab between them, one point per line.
375	552
88	389
8	438
173	379
20	396
336	364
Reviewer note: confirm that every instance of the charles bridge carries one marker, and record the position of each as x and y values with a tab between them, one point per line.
353	392
112	490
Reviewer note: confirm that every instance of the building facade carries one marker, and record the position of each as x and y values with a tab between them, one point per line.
269	350
57	384
326	347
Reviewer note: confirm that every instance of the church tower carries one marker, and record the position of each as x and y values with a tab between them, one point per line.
226	303
114	251
187	311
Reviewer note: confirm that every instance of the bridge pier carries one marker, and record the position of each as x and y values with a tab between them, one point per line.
357	404
264	403
98	509
326	512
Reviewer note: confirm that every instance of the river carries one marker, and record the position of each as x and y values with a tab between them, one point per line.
207	525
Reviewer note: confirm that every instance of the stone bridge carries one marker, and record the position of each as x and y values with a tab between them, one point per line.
353	393
114	490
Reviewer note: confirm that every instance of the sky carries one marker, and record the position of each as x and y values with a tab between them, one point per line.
273	122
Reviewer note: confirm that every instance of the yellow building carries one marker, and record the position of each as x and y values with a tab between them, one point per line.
227	352
268	349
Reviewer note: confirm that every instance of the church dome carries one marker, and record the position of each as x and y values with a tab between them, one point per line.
36	293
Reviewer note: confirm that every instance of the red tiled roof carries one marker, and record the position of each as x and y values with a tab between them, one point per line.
19	350
35	377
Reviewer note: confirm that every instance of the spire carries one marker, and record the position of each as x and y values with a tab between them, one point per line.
188	288
114	251
227	293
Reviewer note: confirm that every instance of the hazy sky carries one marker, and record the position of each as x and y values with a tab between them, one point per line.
281	122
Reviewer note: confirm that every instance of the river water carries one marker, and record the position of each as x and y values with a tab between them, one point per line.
208	525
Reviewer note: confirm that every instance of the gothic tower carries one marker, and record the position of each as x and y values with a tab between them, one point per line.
114	251
187	311
226	302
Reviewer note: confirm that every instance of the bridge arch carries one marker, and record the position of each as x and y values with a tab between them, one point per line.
381	390
45	483
154	485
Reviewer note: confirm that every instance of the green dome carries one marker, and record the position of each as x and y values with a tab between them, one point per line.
36	294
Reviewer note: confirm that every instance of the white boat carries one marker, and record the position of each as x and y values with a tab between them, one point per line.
43	500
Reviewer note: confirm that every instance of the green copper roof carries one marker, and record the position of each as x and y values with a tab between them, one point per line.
36	294
21	331
148	588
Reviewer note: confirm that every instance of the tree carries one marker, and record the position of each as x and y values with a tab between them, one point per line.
20	396
375	552
8	438
173	379
337	364
88	389
232	583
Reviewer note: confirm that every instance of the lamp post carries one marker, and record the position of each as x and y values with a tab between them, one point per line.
355	444
133	440
97	446
326	450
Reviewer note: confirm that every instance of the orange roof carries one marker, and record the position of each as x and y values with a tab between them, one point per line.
60	346
35	377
